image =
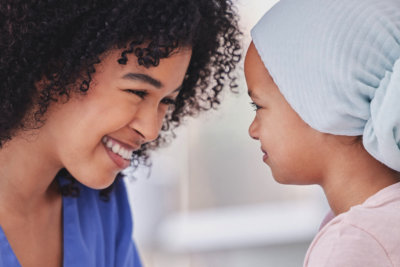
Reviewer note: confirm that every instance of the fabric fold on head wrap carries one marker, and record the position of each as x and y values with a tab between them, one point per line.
337	63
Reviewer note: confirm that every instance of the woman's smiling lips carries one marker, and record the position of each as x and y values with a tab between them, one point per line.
120	153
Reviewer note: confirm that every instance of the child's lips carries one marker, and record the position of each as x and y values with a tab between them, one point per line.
265	154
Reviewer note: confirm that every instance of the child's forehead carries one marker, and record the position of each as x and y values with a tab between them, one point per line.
255	70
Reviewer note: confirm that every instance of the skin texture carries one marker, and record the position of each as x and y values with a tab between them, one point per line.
298	154
130	111
47	46
288	143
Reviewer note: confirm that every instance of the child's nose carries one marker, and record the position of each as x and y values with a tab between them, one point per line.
253	132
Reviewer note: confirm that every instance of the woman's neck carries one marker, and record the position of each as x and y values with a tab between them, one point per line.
26	175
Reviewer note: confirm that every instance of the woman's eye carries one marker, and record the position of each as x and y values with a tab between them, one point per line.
255	106
139	93
168	101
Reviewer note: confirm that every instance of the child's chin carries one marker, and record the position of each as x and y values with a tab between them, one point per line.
285	180
282	181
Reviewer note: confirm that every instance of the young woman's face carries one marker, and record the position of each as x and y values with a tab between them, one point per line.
290	147
93	135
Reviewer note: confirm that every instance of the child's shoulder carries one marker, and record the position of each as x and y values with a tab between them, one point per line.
368	232
375	215
379	215
342	244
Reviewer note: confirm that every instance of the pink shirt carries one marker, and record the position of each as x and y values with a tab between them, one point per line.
365	236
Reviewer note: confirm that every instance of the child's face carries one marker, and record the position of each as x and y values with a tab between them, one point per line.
291	148
124	107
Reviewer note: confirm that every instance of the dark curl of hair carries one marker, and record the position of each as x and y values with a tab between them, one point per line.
61	41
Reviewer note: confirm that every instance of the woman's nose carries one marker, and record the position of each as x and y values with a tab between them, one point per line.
148	122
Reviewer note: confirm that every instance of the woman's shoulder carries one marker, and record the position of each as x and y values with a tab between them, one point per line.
112	210
97	226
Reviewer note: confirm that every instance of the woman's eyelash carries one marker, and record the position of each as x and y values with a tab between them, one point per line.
143	94
139	93
168	101
255	106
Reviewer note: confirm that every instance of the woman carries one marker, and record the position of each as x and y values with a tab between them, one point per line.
85	88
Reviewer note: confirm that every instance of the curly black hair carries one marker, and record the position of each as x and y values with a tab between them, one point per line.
60	42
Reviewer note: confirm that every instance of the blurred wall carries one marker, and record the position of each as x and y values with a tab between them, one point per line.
209	200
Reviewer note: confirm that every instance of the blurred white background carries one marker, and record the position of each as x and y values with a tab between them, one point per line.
210	201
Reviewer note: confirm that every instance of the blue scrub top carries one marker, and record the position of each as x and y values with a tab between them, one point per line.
97	233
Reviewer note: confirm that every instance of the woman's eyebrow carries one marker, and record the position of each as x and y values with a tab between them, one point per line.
144	78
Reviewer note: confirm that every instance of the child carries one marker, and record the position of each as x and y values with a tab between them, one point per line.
85	88
324	77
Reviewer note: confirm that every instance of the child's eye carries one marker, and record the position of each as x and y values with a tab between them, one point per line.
168	101
139	93
255	106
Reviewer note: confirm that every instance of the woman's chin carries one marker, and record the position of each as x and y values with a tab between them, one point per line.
99	186
97	182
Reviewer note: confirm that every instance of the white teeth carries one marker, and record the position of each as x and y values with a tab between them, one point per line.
117	149
126	154
109	144
122	152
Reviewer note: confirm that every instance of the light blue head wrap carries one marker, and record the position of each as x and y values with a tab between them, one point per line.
337	64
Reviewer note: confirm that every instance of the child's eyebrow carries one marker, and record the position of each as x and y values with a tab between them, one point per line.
251	93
